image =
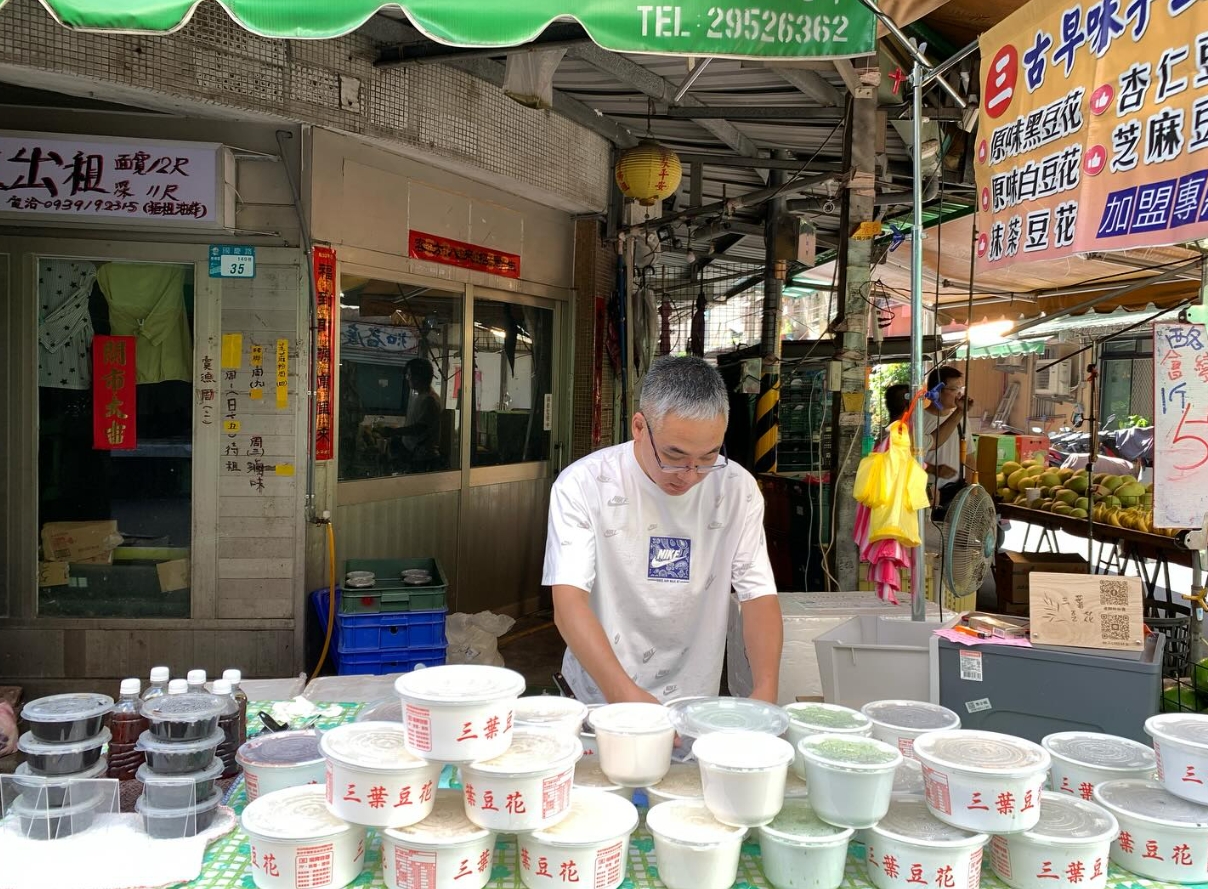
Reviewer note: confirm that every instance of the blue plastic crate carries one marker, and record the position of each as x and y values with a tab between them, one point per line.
382	643
378	663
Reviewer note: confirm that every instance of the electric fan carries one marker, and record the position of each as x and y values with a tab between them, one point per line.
970	538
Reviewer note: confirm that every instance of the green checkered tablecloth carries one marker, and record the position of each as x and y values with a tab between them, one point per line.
227	862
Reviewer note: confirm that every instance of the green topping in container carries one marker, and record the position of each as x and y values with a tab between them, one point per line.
855	752
825	717
797	818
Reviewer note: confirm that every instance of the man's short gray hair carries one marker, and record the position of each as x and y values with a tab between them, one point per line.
685	387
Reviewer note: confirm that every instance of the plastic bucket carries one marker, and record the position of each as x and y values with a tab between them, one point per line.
806	719
801	851
694	849
850	778
1084	760
527	787
1069	846
633	742
1180	743
591	843
372	778
743	775
1161	835
444	851
983	781
459	713
911	845
296	841
898	723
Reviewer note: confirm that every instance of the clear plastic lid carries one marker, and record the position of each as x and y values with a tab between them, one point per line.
589	774
697	717
631	719
211	772
37	808
852	752
689	822
192	706
26	775
533	750
1001	755
911	821
27	743
1100	751
593	818
67	708
370	745
542	710
148	743
1150	801
912	715
829	718
446	825
281	749
382	711
798	823
295	813
1068	819
211	802
743	751
460	684
1185	728
908	778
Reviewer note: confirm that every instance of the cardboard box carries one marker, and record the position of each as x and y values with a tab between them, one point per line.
1031	447
53	574
1012	570
173	575
80	541
992	452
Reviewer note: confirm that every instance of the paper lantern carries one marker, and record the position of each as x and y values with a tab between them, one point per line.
648	172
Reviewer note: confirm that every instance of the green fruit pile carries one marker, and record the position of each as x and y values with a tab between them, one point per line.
1187	696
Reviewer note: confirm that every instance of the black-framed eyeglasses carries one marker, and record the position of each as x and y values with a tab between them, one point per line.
676	470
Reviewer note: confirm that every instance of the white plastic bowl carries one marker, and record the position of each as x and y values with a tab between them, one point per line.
743	775
634	742
589	776
850	777
801	851
295	840
551	712
589	846
1161	835
1084	760
525	788
277	760
806	719
372	779
694	850
911	844
444	851
983	781
1180	743
1072	840
682	782
898	723
460	712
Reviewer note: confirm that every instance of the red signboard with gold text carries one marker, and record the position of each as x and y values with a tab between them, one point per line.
114	403
446	251
325	314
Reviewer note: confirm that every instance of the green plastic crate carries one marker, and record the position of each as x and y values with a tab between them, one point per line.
389	593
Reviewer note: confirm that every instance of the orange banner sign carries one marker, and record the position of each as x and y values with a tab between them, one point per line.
326	313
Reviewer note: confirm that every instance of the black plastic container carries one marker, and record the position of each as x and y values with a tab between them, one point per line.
171	824
177	791
41	791
188	717
56	760
179	757
40	822
60	719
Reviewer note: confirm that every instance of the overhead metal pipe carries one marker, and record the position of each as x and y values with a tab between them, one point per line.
750	199
920	59
692	77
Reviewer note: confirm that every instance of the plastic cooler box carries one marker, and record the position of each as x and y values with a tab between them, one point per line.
389	642
1032	692
389	593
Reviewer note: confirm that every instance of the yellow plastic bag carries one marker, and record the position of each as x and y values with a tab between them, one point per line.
872	488
897	518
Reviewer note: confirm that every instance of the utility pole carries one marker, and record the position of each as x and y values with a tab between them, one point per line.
767	408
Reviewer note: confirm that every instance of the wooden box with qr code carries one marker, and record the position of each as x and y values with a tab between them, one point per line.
1086	611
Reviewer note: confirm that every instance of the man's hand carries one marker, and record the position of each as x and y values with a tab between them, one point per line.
765	694
945	472
634	694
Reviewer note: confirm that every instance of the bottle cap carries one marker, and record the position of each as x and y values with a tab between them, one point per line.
177	687
197	677
220	687
232	676
131	686
159	674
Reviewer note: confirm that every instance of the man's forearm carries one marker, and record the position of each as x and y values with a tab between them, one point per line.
763	637
585	638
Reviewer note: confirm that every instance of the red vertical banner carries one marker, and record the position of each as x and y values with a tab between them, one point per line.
326	309
114	402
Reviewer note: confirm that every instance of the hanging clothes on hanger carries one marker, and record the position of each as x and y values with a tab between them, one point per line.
148	302
696	342
665	327
65	330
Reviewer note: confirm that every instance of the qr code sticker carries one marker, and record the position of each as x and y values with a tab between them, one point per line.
1116	627
1113	593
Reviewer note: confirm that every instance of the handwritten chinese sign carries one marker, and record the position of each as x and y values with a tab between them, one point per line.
114	404
379	337
446	251
99	180
325	312
1086	611
1093	122
1180	485
282	374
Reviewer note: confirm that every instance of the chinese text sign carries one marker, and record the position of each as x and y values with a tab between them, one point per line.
114	404
1180	406
1093	125
446	251
88	178
325	313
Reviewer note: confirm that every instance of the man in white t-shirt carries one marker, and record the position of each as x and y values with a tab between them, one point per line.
941	423
646	541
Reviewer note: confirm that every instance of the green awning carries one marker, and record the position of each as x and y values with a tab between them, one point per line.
776	29
1005	350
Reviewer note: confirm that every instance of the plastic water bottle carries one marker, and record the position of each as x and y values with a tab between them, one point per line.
126	722
177	687
158	685
235	677
197	680
228	724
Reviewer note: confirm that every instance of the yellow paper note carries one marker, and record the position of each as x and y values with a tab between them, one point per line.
232	351
257	356
230	426
282	374
284	469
